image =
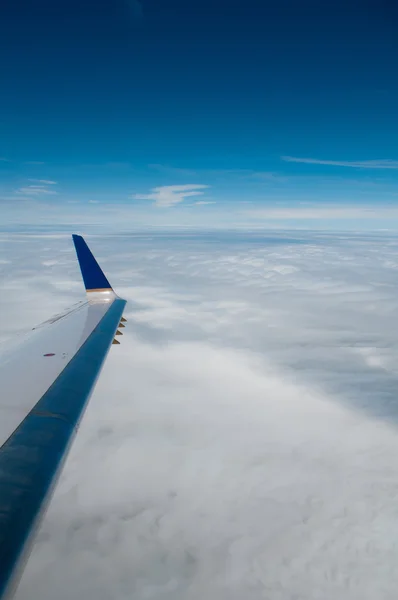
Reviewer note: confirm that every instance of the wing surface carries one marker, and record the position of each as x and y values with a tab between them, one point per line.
45	384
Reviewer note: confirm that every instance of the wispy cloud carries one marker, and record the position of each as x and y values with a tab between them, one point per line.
44	181
33	190
169	195
386	163
34	162
38	189
201	202
324	212
11	198
243	173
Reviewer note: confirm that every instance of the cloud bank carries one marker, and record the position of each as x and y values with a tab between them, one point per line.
241	441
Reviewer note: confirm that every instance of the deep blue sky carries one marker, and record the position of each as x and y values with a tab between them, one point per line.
116	97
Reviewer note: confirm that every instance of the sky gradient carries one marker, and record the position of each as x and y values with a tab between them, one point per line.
227	114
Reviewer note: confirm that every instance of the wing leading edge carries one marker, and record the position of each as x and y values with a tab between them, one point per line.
46	385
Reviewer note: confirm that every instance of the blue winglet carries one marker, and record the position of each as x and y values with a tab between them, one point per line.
92	274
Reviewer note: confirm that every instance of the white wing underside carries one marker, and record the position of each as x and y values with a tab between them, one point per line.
26	372
46	378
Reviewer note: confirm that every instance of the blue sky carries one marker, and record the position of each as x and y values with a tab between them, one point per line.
285	111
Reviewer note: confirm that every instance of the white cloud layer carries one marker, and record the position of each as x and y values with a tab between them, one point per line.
169	195
241	441
385	163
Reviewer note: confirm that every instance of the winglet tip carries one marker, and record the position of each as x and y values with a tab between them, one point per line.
93	276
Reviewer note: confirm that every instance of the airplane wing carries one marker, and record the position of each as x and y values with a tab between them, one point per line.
45	385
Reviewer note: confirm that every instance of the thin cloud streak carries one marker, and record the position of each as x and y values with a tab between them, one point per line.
44	181
357	164
243	173
35	190
327	212
40	188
